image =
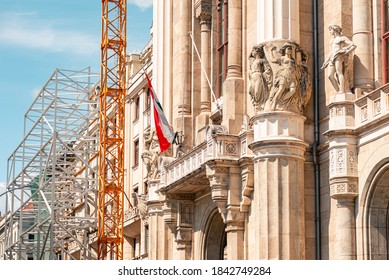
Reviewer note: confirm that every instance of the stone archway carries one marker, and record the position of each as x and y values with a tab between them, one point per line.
377	216
215	240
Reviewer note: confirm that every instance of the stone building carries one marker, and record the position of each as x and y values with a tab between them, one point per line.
282	109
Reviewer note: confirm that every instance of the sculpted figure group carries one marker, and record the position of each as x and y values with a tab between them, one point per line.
290	87
279	75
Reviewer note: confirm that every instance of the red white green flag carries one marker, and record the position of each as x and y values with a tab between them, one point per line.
165	134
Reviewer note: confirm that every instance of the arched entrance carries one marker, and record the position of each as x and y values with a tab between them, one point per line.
215	240
377	216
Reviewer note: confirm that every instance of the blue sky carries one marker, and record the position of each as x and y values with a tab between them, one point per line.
38	36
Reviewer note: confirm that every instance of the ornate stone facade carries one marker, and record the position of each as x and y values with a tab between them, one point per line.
288	164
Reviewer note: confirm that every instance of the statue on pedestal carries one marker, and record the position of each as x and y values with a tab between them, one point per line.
337	62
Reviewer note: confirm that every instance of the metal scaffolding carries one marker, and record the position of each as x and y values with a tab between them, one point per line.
52	174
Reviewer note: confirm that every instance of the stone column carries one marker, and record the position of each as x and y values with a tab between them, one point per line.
159	239
235	233
203	11
343	174
279	150
182	22
363	38
287	25
233	87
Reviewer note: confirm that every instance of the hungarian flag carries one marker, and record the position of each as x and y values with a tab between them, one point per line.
165	134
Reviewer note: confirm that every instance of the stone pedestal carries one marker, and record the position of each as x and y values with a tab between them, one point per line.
279	150
343	174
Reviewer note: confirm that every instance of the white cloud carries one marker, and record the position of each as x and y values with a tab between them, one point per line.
143	4
30	33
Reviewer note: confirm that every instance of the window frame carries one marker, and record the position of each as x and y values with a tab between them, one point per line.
136	108
136	153
222	47
385	39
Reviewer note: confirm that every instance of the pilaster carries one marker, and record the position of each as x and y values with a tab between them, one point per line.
363	38
233	87
181	79
343	174
178	216
203	11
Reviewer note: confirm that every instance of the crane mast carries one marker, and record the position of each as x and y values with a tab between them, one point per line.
111	146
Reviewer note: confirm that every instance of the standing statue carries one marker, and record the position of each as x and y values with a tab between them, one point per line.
285	83
151	155
260	76
337	62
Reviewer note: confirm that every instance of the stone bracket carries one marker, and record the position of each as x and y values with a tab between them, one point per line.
247	184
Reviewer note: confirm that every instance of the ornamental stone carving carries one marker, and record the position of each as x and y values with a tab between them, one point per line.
279	77
151	154
338	61
260	77
203	8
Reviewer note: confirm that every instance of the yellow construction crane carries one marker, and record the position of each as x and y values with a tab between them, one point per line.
111	150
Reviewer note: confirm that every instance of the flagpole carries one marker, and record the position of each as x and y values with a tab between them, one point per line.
203	68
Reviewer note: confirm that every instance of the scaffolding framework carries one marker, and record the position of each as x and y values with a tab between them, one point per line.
112	108
52	174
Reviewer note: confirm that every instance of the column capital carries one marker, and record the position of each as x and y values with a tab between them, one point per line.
203	9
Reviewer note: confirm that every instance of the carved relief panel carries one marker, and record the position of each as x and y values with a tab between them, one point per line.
279	78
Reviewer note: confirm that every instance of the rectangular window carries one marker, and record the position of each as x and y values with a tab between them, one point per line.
136	153
147	100
222	45
385	40
137	109
147	239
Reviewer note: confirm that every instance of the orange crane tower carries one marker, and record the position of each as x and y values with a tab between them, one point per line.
111	150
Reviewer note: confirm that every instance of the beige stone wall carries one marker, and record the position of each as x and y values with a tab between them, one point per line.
172	52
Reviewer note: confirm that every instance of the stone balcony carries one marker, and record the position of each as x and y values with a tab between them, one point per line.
218	146
372	107
131	215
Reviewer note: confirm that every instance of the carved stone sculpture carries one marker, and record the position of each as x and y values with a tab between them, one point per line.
285	83
260	77
338	60
151	155
289	89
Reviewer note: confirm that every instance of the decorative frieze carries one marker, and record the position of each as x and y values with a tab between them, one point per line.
344	188
372	106
343	161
